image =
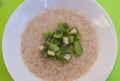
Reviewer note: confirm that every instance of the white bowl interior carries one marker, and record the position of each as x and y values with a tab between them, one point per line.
94	13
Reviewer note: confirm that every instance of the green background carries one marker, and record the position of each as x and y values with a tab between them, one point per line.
8	6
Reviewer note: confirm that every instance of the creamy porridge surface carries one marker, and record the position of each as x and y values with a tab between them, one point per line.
49	70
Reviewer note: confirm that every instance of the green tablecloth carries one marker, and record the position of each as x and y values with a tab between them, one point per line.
8	6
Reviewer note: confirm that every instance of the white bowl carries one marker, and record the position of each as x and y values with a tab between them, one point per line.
96	15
